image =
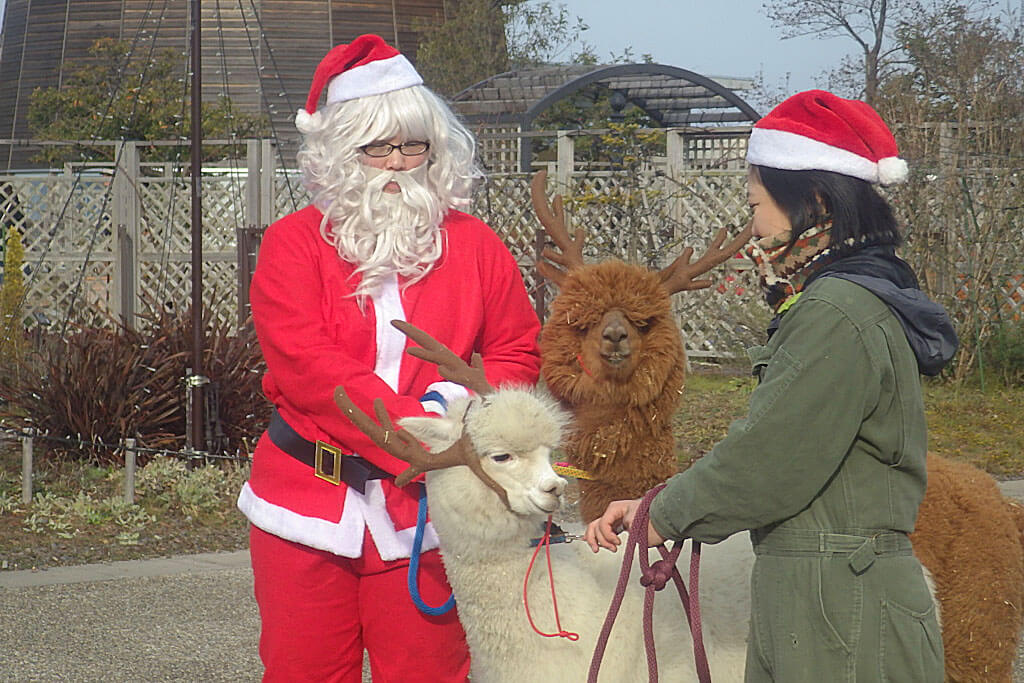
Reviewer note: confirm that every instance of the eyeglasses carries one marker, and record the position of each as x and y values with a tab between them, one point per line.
408	149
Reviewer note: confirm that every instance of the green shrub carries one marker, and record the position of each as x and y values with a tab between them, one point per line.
1002	355
12	296
165	483
201	490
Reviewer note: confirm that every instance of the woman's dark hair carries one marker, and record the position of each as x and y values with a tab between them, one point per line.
860	216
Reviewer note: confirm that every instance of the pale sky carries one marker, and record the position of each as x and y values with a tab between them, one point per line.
710	37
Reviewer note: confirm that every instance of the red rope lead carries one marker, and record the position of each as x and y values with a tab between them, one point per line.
654	578
545	541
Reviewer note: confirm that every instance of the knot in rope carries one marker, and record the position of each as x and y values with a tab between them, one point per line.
658	574
654	577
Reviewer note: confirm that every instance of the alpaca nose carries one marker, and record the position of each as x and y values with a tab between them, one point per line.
555	486
615	335
615	332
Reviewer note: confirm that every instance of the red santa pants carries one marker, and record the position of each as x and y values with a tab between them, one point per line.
319	611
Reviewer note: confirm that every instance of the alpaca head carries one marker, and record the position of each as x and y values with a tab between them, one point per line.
611	337
488	460
513	432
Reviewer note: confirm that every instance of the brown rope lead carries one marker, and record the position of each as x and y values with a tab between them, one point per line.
654	578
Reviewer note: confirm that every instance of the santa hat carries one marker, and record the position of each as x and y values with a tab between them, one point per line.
366	66
815	130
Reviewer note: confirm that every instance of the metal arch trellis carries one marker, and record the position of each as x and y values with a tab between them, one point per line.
670	95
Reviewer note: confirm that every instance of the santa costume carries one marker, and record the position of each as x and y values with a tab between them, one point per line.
332	533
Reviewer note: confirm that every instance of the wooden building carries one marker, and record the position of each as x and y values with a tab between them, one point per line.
261	53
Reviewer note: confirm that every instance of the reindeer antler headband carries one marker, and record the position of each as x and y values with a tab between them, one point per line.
404	446
677	277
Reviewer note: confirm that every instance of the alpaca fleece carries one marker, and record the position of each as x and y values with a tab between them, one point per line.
623	423
969	537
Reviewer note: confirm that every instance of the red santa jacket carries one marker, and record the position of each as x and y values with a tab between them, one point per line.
314	338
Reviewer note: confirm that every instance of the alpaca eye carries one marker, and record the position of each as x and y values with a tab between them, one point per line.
503	457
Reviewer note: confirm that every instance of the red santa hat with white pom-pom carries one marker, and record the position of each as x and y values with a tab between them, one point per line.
366	66
816	130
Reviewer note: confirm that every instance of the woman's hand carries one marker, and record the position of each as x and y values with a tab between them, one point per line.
604	531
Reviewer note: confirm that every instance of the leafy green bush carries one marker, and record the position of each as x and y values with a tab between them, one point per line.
12	295
157	480
163	484
51	513
1002	354
169	482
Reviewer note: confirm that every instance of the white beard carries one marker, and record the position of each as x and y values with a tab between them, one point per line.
388	232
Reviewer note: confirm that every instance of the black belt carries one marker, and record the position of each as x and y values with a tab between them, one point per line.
328	462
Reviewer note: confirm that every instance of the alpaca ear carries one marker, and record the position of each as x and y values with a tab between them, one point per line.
435	432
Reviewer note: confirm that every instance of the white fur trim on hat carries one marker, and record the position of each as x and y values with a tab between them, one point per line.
792	152
374	78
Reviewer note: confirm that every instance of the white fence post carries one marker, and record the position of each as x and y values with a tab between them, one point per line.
268	184
566	162
126	217
675	157
26	468
129	471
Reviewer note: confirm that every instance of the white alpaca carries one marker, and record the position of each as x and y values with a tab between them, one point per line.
486	551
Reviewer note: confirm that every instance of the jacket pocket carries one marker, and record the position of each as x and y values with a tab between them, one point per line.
911	644
759	357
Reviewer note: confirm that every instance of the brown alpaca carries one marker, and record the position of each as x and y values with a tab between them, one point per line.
612	352
971	539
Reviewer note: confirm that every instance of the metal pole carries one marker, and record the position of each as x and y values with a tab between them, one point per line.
129	471
197	229
26	469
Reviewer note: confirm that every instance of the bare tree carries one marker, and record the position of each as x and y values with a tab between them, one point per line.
957	106
865	21
475	39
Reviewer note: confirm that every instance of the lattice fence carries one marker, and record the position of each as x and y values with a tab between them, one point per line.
79	259
95	242
68	237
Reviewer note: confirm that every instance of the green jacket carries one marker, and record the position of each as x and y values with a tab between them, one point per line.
834	437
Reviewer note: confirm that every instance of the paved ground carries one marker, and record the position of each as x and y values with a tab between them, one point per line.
179	619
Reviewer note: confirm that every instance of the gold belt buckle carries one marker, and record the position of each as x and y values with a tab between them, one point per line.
334	476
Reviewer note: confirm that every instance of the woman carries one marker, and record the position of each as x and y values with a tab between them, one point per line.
828	467
332	534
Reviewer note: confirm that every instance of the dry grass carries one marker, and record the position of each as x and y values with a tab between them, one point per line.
983	428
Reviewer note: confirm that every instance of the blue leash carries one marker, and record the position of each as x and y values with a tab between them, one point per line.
414	564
